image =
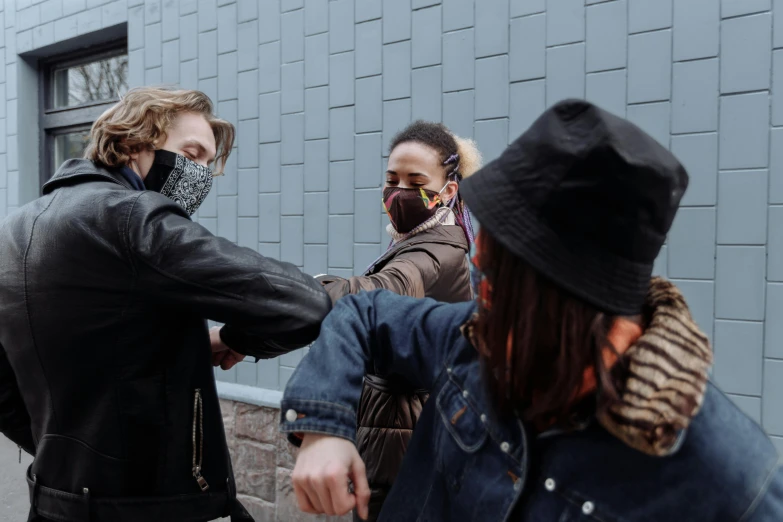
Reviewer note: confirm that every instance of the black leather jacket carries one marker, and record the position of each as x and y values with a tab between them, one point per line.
105	360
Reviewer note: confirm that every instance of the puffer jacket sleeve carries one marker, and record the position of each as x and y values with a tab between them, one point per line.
268	307
14	419
410	274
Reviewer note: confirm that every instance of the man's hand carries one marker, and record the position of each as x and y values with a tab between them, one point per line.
324	468
222	355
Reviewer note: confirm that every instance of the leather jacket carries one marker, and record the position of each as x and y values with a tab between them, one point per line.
432	264
105	359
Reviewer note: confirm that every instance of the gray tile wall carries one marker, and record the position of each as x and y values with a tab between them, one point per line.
318	87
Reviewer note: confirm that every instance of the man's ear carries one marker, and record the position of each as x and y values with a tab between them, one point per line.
141	158
138	149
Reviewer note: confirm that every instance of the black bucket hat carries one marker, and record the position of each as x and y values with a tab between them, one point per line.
586	198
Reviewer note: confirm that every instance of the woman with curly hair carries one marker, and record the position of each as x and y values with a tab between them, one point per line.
431	234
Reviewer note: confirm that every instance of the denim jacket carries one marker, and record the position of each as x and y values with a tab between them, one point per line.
466	465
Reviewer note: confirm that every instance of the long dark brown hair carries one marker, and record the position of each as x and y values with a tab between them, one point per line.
536	339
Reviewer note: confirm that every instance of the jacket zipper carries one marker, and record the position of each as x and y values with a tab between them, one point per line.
198	451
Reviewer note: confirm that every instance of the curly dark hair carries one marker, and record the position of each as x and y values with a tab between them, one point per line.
459	156
432	134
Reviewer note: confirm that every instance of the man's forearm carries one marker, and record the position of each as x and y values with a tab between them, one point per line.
247	344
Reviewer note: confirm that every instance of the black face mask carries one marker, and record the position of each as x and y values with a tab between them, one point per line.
409	208
180	179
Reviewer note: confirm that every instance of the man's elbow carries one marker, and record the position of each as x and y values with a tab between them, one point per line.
306	322
295	325
316	313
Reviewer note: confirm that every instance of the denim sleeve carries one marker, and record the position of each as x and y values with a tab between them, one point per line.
391	335
769	504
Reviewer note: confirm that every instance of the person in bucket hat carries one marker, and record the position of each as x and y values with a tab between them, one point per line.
576	386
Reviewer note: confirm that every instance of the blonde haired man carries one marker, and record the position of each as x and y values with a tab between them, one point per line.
106	364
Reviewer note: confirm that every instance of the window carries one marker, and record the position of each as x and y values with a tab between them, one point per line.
75	90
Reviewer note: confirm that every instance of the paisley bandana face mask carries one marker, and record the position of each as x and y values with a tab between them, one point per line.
180	179
409	208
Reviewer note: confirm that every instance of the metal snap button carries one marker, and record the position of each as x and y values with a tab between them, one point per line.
517	485
588	508
550	484
465	394
290	415
86	491
449	370
483	418
505	447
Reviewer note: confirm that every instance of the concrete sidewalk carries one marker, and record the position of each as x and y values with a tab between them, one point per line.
14	503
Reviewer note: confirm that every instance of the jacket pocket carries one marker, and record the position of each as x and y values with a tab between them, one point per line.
68	464
460	419
460	435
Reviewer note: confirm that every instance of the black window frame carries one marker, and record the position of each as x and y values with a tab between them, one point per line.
56	121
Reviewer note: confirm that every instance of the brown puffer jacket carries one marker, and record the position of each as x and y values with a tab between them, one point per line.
432	264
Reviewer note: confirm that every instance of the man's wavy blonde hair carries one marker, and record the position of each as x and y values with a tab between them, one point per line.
140	121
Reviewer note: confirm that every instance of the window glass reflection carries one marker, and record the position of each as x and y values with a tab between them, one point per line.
91	82
69	145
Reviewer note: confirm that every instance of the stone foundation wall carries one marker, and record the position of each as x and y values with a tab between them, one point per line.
263	462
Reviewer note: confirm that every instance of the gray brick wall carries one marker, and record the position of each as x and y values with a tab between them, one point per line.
318	87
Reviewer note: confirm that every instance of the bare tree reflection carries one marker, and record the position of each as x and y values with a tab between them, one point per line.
91	82
70	145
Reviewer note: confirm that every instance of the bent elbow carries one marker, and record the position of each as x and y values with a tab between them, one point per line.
323	305
306	322
317	312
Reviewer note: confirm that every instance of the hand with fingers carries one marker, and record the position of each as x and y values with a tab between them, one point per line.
222	355
325	470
